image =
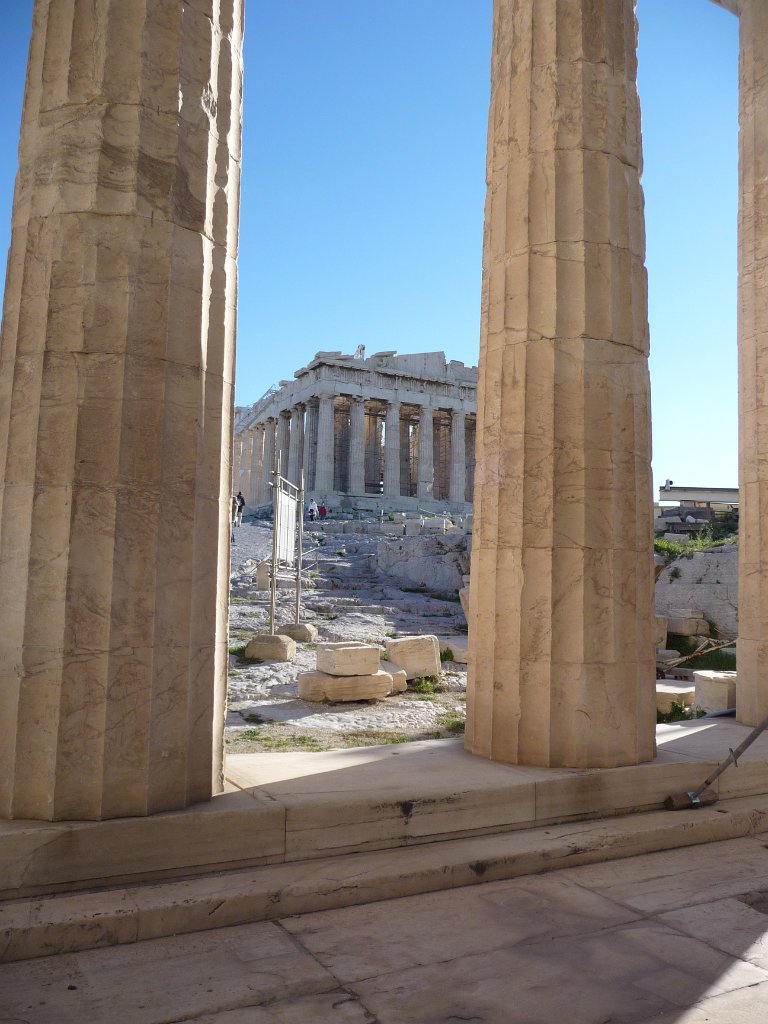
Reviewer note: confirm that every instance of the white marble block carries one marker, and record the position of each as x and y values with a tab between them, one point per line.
348	658
418	655
318	686
270	647
715	691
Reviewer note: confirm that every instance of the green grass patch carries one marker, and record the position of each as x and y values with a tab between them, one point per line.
447	654
678	713
426	684
452	722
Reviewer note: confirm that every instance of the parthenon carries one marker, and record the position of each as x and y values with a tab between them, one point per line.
388	430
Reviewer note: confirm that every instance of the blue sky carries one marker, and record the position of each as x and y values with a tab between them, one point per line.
363	191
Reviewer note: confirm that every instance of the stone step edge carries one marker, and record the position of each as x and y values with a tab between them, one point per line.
50	925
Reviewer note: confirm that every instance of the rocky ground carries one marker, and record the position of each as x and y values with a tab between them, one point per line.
347	599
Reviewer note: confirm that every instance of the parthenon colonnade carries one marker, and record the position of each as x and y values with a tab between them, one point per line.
115	390
384	431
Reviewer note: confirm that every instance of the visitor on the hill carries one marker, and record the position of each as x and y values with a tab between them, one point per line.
240	506
312	511
322	510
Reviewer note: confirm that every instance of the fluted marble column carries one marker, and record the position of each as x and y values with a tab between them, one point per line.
561	604
392	451
325	454
357	446
244	482
257	466
282	440
296	444
237	458
116	369
458	485
268	465
752	693
309	455
426	482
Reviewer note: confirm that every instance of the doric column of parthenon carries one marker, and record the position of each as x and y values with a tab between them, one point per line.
426	453
257	466
237	454
116	369
392	451
295	444
458	456
752	692
270	427
357	446
282	439
325	451
561	597
246	456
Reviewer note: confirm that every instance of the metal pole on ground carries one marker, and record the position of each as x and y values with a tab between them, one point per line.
300	538
275	526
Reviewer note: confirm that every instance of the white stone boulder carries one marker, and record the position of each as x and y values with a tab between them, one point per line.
348	658
270	647
417	655
304	632
667	693
715	691
318	686
399	679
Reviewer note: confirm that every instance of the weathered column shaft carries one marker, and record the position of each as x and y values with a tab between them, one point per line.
752	694
257	466
458	457
269	461
296	444
309	456
116	370
282	441
426	485
237	456
246	456
325	463
357	446
392	451
561	597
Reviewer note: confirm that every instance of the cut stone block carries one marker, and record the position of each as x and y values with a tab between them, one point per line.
301	631
688	626
399	680
661	632
418	655
667	655
715	691
666	693
262	576
316	686
271	647
348	658
412	527
458	644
